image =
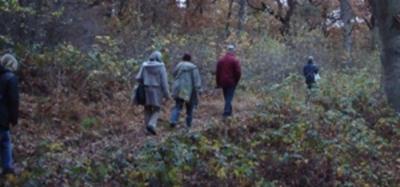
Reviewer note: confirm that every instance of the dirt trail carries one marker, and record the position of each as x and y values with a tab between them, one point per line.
133	135
208	113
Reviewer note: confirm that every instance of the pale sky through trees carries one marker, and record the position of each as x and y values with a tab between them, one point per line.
181	3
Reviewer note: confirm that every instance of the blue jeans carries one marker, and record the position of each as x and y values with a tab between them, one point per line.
177	110
229	93
6	149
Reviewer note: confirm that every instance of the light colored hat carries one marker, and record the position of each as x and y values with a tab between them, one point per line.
231	47
156	55
9	62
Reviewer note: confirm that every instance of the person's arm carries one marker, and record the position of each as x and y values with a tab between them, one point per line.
139	76
237	71
164	82
197	79
176	70
316	70
13	99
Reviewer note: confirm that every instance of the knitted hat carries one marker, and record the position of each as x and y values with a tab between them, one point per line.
187	57
9	62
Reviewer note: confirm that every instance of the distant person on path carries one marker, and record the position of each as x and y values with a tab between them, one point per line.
227	76
310	71
153	76
9	102
185	90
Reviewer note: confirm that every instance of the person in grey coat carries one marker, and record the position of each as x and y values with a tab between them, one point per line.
153	76
186	87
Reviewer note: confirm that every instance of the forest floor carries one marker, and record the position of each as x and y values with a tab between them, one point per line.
51	135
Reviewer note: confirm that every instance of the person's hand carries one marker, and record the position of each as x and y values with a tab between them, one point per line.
167	99
199	91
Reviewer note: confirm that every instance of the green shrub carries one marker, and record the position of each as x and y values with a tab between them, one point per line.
89	122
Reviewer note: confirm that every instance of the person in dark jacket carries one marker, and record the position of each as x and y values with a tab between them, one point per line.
310	70
227	76
9	101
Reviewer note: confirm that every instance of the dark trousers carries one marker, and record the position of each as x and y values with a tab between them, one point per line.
311	85
229	93
177	110
6	150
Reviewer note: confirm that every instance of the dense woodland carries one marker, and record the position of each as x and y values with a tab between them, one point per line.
78	59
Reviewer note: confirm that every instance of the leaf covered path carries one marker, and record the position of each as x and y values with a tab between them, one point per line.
50	136
133	135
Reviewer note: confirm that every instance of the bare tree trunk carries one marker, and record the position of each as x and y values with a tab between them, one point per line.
139	14
388	22
121	7
114	8
228	19
375	42
242	16
324	25
346	14
285	29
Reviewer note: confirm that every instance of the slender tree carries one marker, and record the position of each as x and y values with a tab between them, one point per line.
241	15
228	19
346	15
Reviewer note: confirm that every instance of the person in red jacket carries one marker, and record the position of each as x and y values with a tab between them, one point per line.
227	77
